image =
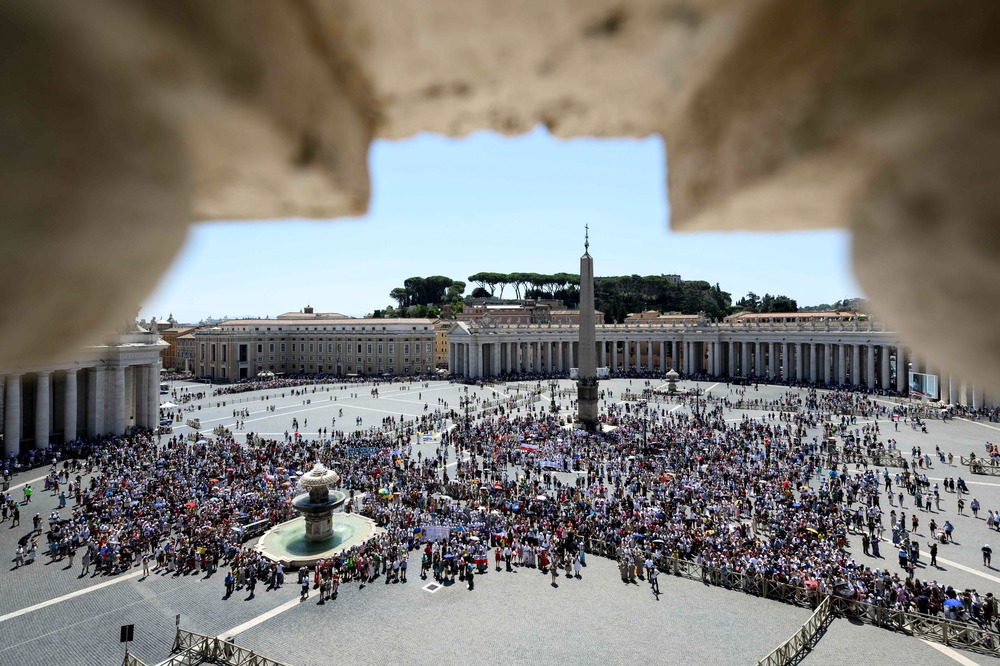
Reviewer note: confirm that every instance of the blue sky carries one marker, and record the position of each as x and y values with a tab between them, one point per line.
487	203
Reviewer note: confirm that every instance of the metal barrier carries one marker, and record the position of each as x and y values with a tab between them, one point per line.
984	466
132	660
949	632
803	639
213	649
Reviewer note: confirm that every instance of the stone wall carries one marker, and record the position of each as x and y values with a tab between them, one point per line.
125	120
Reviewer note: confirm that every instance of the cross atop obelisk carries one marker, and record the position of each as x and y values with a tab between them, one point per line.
586	385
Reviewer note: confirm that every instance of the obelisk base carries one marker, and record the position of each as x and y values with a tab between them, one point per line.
587	395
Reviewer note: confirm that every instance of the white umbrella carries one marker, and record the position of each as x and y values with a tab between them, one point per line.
202	441
167	405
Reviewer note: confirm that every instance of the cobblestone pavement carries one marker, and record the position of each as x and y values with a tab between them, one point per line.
847	643
512	618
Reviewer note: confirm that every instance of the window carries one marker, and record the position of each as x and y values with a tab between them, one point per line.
260	349
311	349
369	348
359	348
213	353
271	359
339	345
392	349
417	348
380	349
260	359
270	348
293	346
329	348
406	349
283	348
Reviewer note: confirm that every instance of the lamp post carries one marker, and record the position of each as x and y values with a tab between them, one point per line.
696	392
645	418
553	385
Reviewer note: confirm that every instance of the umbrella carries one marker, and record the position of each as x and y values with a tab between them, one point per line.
448	556
190	505
383	491
541	497
202	441
167	405
952	603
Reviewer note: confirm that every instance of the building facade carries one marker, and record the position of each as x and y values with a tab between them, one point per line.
103	389
306	343
832	351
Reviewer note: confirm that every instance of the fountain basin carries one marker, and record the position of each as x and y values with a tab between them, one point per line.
287	543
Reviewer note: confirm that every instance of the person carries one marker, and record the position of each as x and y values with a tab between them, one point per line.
987	554
974	505
229	584
470	575
654	580
933	547
948	530
27	493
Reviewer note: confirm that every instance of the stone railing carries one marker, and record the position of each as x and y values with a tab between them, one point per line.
803	639
132	660
212	649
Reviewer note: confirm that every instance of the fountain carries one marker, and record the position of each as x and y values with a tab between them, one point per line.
318	504
315	535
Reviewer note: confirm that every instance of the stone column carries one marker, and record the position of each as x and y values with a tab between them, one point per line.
69	415
856	365
884	353
626	361
870	366
732	359
841	363
12	416
813	377
799	363
153	395
745	358
952	389
772	360
140	385
649	355
901	372
604	353
95	401
43	409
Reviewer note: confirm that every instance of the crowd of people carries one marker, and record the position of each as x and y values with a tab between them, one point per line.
765	497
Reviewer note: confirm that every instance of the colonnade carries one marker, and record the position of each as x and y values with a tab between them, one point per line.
825	359
61	405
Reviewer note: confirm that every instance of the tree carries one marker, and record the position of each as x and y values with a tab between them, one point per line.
401	296
455	292
481	292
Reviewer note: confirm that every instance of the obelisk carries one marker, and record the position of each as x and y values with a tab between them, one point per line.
586	385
